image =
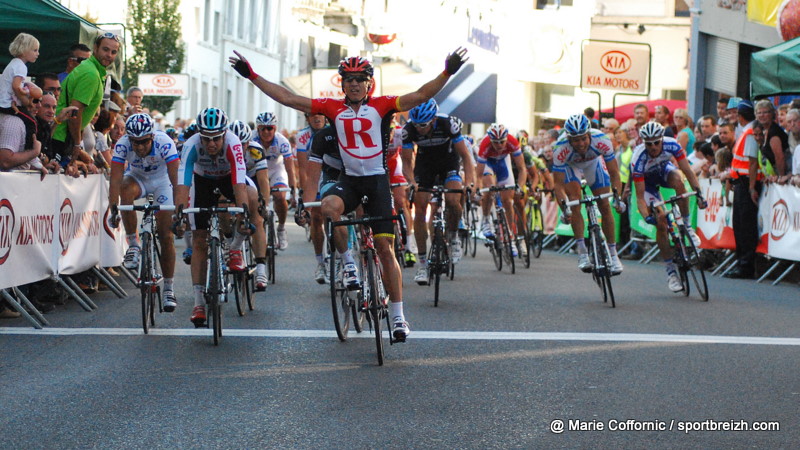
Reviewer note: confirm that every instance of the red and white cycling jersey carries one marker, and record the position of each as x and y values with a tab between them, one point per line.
229	161
364	135
487	150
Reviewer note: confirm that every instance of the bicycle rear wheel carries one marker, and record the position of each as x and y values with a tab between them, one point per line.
145	280
250	284
602	265
693	263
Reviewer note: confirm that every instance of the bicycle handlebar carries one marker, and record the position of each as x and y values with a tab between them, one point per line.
673	199
365	220
146	207
497	189
218	209
588	200
440	189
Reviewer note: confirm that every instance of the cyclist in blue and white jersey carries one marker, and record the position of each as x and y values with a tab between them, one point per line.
211	159
652	167
257	181
279	156
316	123
584	153
152	168
440	150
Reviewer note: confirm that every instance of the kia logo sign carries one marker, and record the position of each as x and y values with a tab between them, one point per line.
164	81
615	62
7	222
780	220
65	231
336	80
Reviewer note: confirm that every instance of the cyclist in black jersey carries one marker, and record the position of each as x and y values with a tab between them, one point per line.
440	150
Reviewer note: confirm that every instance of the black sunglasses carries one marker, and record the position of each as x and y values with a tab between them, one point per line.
77	59
652	143
267	127
359	79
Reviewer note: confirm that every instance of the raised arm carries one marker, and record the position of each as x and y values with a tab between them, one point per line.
274	91
453	62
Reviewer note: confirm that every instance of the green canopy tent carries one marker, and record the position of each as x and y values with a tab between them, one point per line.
56	27
776	70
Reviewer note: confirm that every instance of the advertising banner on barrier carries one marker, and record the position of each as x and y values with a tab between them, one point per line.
779	221
112	240
28	228
714	224
80	211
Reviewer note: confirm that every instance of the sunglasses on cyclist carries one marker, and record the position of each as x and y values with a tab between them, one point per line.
423	125
358	79
267	127
652	143
498	141
216	138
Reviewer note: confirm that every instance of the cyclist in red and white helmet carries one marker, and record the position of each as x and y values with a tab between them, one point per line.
362	125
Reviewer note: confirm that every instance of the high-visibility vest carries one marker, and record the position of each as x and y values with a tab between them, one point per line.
625	164
740	166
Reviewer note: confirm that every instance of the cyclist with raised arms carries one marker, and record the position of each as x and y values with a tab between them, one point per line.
211	159
652	167
152	169
495	153
257	181
585	153
362	126
440	150
279	156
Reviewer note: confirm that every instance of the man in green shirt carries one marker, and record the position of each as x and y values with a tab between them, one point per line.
83	88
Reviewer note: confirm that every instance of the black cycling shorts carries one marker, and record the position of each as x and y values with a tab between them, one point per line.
376	188
202	196
430	172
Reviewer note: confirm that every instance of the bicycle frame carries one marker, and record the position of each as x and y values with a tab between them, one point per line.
598	247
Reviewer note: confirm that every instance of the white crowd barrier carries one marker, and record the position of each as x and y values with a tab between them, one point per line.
55	226
778	220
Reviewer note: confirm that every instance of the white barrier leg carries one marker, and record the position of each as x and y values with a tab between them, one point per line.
14	304
783	275
80	292
129	275
769	271
724	263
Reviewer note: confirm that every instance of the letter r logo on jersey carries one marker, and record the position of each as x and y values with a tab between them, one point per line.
357	128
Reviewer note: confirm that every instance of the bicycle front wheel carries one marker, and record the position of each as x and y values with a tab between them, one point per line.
506	240
271	247
215	288
239	282
376	309
473	229
145	282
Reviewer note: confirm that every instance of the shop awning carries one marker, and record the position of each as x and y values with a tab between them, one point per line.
776	70
471	96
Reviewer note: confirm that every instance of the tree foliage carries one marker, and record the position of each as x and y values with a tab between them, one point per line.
154	28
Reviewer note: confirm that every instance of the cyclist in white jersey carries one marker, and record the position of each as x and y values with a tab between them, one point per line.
211	159
316	123
279	156
582	152
152	168
257	181
362	125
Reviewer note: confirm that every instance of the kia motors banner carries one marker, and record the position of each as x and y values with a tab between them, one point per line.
615	66
164	84
28	228
54	226
714	223
779	221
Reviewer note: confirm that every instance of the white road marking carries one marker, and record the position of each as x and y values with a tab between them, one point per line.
436	335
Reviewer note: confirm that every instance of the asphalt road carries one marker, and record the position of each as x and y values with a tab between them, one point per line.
499	362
